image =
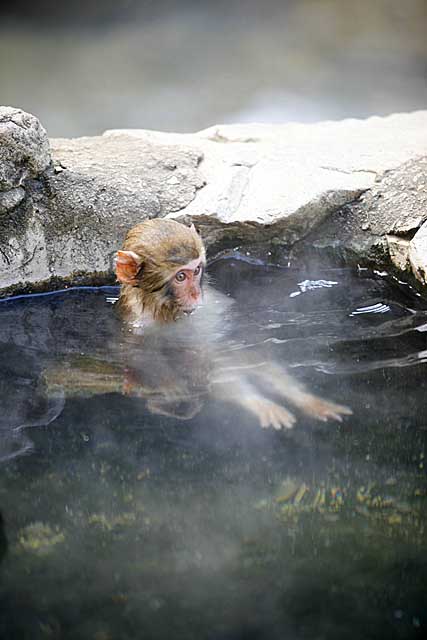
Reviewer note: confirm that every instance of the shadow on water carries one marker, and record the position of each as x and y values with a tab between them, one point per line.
125	524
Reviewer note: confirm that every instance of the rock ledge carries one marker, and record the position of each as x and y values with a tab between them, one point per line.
355	187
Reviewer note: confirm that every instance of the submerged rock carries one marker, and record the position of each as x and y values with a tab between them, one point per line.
357	187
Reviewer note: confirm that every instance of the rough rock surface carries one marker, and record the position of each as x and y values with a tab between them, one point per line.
417	252
387	222
24	152
353	186
24	147
281	181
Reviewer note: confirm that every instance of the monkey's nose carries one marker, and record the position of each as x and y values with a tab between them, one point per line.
191	308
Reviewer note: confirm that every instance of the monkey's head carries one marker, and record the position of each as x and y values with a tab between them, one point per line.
160	267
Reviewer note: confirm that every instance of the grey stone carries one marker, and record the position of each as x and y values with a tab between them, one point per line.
76	215
278	183
10	199
381	226
418	254
24	148
156	178
294	173
398	249
101	187
352	186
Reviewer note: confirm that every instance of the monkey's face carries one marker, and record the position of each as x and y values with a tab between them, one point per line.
161	267
166	291
185	286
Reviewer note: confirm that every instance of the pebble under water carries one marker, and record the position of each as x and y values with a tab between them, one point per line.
121	523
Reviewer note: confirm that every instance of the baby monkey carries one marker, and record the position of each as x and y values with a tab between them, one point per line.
160	268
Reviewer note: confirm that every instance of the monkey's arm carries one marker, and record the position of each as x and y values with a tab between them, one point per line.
280	382
85	376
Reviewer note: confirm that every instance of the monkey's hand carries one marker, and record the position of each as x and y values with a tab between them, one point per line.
321	409
269	413
238	390
295	393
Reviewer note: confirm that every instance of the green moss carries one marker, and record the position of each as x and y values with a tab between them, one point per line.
39	538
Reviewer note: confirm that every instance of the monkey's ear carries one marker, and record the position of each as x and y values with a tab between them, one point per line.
128	265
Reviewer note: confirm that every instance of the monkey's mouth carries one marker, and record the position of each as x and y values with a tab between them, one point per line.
188	311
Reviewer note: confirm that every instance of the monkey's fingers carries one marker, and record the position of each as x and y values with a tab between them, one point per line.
280	417
271	414
324	410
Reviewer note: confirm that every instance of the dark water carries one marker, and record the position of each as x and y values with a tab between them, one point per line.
122	523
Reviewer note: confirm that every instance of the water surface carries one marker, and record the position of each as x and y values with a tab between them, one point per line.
122	523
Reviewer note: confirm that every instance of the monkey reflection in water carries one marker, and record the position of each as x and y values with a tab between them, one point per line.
173	358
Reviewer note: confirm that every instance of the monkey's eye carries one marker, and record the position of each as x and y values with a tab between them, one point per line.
197	270
180	276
